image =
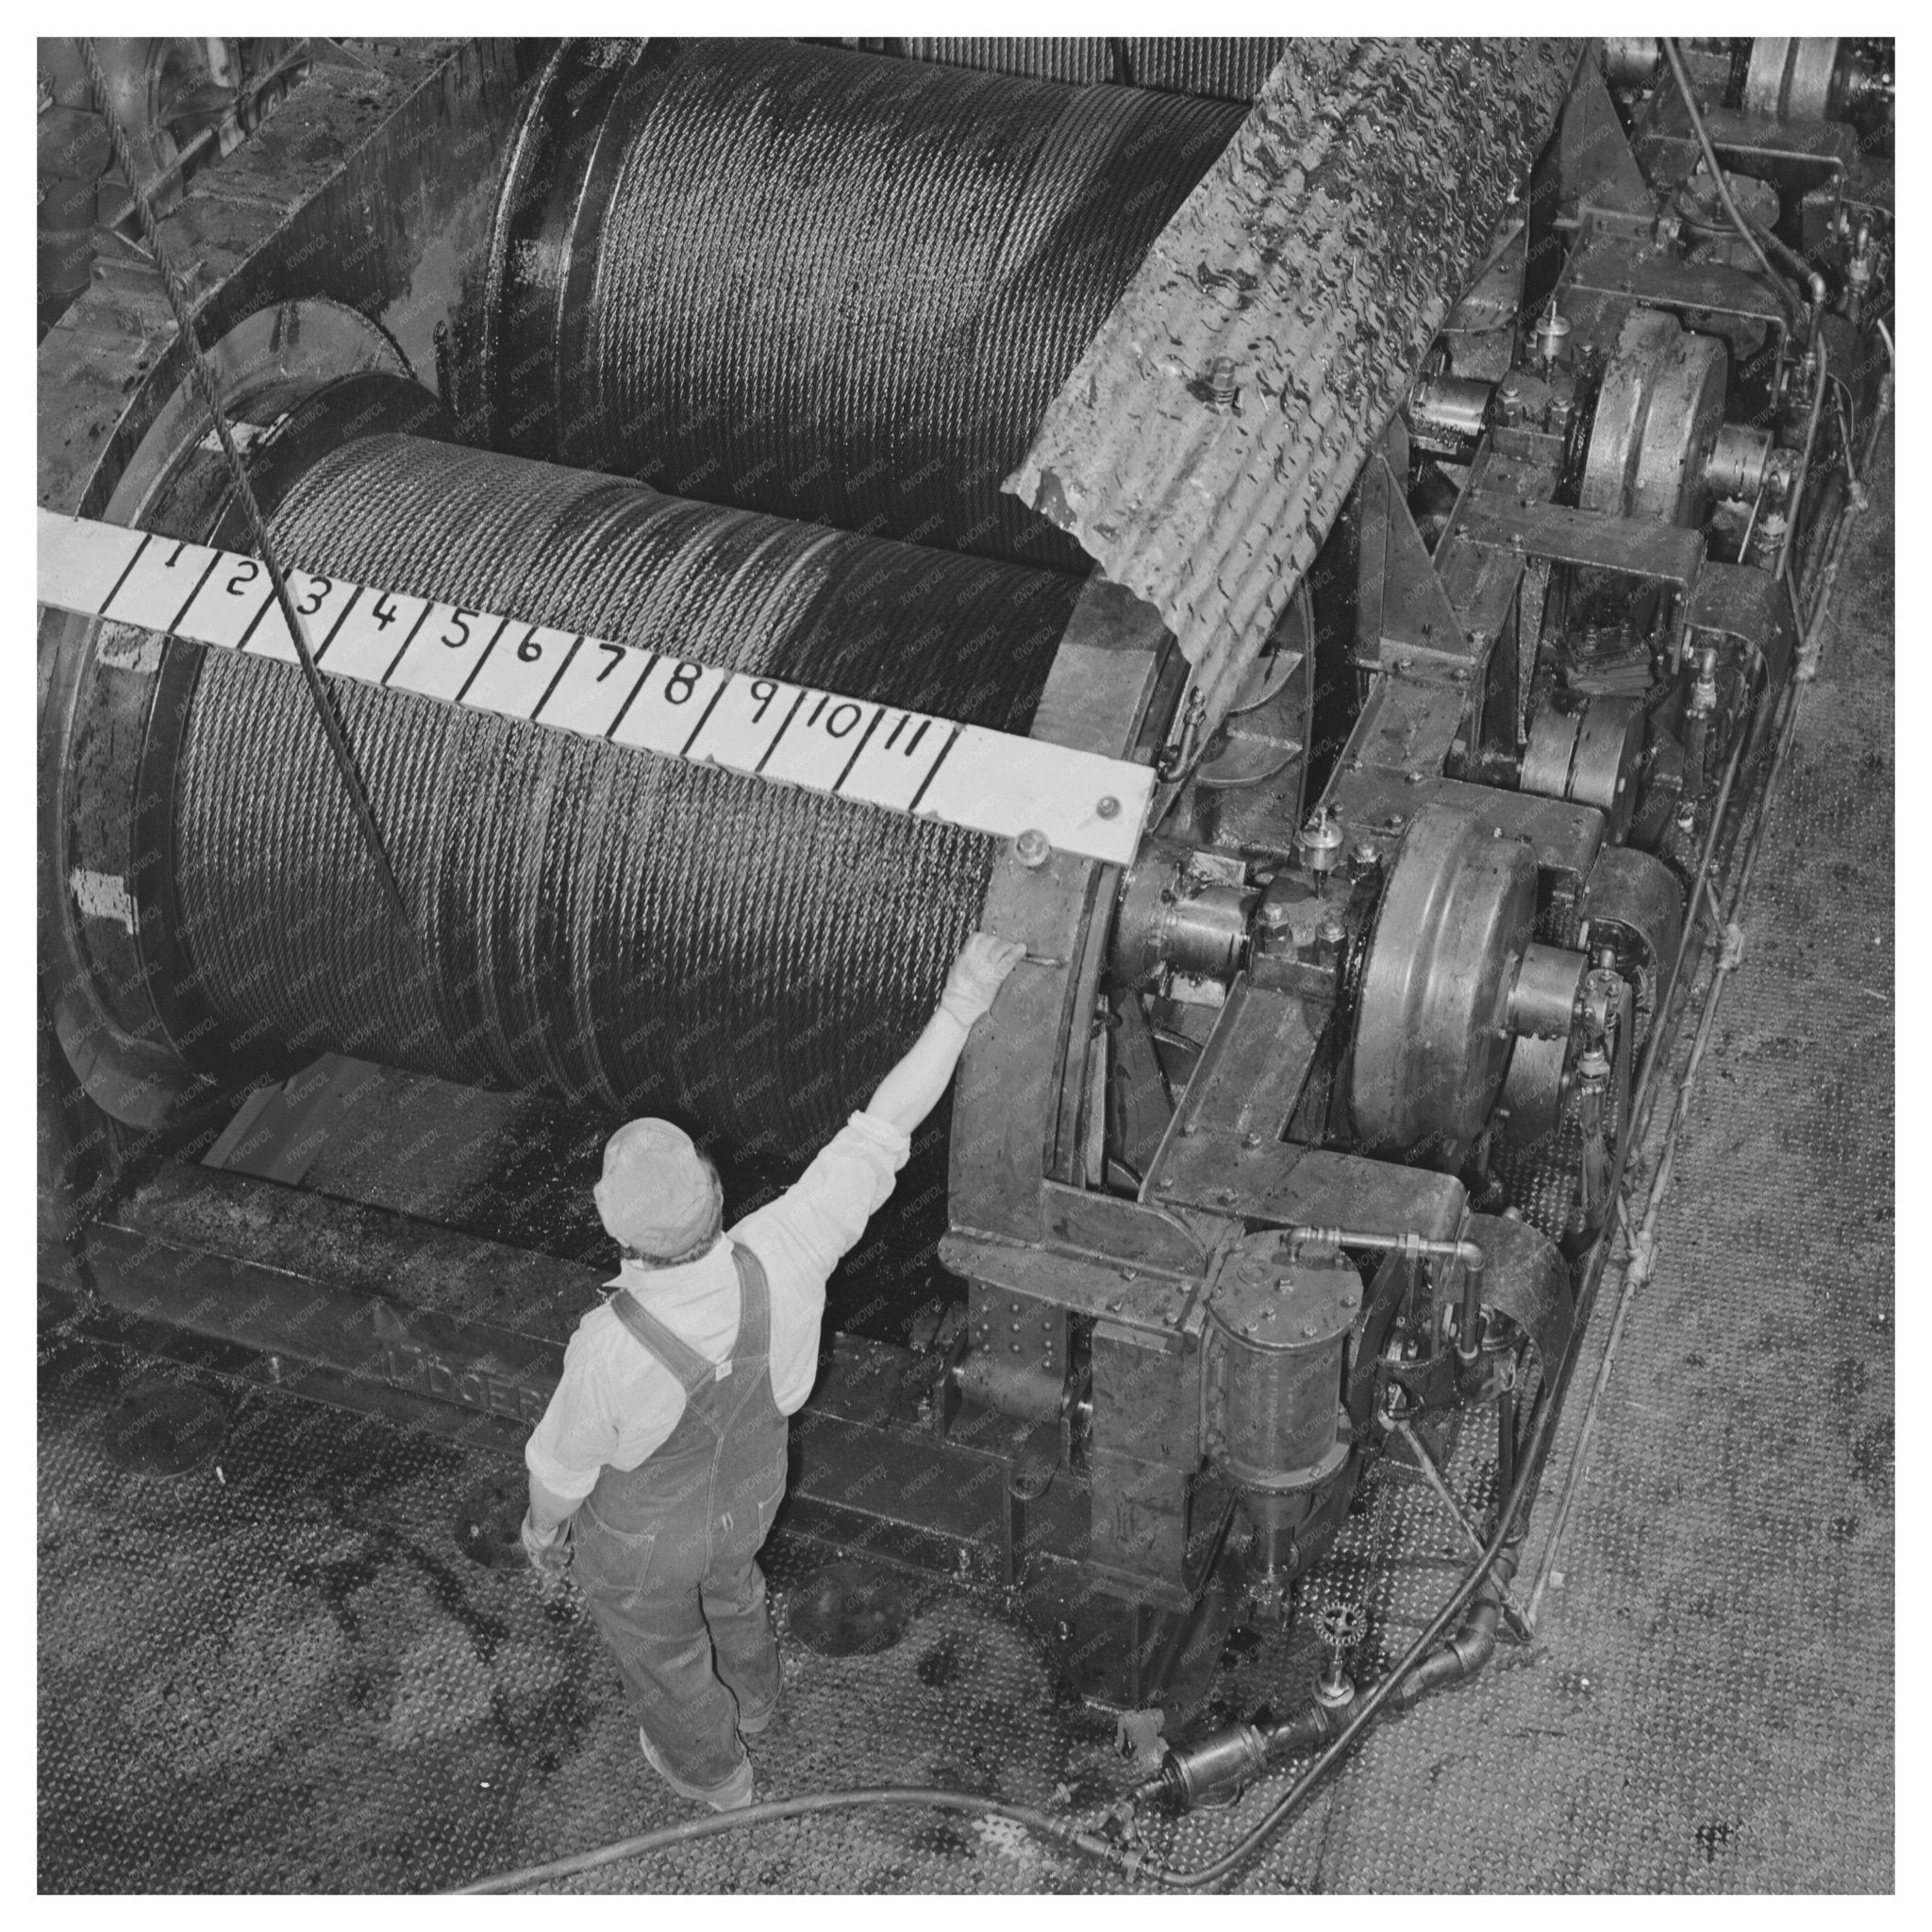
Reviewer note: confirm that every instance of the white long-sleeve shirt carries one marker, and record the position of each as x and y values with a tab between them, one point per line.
616	1402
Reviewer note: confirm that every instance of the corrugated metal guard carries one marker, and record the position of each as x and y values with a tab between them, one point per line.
1317	256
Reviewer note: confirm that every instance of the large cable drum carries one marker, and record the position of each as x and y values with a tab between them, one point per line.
606	926
1230	67
828	285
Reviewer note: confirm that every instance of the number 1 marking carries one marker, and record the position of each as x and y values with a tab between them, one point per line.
140	552
944	749
198	582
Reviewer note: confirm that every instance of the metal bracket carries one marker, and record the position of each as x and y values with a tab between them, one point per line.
1628	546
1408	623
1017	1353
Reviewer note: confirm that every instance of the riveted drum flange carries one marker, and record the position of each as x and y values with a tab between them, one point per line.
1432	1036
292	379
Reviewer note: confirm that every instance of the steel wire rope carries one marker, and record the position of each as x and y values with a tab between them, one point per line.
600	923
1226	67
800	299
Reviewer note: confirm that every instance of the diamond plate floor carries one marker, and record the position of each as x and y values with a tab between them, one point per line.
279	1673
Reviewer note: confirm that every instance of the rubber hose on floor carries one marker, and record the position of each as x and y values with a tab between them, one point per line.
828	285
602	926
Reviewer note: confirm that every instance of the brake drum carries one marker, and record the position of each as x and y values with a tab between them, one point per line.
1432	1038
1657	417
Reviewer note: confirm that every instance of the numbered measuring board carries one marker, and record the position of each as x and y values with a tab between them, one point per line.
988	781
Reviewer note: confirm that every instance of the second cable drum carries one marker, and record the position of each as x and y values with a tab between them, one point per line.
830	285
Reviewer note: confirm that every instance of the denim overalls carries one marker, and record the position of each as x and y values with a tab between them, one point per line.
666	1553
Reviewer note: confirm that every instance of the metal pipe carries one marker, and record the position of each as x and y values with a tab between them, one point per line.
1469	1315
1804	475
1642	1256
1465	1254
1432	1473
1506	1442
1633	1134
1414	1245
1667	991
1751	521
1234	1756
1474	1645
1633	1137
1642	1247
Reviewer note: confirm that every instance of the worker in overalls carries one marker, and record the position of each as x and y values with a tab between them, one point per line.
660	1458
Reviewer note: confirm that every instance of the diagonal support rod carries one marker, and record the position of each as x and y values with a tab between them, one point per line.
1518	1622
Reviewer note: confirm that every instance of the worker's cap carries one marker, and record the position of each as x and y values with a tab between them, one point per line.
658	1194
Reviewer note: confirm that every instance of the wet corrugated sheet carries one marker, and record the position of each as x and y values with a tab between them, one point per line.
1314	262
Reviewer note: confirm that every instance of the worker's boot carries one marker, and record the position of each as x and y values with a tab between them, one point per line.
753	1723
734	1794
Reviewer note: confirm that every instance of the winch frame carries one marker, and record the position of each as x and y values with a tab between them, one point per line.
1082	1464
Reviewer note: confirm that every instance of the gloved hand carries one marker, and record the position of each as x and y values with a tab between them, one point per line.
978	973
548	1550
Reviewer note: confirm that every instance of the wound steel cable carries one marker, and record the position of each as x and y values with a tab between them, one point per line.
599	924
1231	68
829	285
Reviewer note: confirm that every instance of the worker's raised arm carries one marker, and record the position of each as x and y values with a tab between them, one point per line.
801	1236
912	1088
